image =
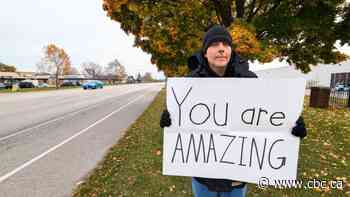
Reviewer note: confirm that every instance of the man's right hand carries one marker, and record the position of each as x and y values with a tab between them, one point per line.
165	120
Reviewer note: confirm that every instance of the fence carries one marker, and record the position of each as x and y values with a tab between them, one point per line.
339	98
323	97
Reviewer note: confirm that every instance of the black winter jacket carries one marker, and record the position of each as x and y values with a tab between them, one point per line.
237	67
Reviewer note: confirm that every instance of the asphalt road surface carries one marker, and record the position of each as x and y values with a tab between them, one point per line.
50	140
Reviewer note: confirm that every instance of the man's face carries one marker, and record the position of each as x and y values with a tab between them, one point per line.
218	54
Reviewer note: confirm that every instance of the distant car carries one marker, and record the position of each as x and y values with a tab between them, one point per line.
68	84
8	85
130	79
339	87
2	86
26	84
92	84
43	85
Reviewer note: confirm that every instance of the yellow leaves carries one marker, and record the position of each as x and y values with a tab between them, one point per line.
158	152
333	155
58	58
160	46
172	188
268	54
244	39
111	5
132	6
340	57
172	71
324	173
246	44
66	69
131	180
172	31
327	189
344	162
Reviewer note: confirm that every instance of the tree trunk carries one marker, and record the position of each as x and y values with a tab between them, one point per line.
57	80
240	8
224	11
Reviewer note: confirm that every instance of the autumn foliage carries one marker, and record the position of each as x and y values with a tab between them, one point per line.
301	32
7	68
56	61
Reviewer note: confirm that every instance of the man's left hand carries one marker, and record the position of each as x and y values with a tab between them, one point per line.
299	129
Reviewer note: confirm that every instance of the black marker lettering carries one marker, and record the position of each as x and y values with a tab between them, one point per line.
223	155
283	162
178	103
196	152
252	117
260	110
257	153
222	124
208	110
242	148
211	148
277	117
178	149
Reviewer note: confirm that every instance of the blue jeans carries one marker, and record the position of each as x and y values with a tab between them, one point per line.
200	190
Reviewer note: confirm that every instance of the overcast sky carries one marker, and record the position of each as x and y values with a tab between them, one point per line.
80	27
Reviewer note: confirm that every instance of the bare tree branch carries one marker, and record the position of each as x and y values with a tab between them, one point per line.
251	12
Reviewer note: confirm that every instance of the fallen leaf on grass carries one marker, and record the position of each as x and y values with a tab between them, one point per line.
333	155
172	188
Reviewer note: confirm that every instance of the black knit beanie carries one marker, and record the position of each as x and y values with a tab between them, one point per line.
215	34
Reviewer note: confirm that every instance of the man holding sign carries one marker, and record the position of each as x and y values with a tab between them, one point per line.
215	60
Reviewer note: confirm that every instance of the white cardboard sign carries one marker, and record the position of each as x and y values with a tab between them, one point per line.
232	128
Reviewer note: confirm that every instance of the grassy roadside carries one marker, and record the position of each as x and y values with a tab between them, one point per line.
133	166
43	89
35	89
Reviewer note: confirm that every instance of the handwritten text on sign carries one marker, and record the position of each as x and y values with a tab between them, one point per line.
236	129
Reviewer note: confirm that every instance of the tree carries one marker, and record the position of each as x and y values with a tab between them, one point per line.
7	68
55	61
300	32
139	78
66	70
147	77
73	71
115	68
92	69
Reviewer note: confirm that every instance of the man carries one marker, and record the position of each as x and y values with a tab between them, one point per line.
216	59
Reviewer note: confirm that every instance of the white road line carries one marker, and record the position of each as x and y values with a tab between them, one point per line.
8	175
55	119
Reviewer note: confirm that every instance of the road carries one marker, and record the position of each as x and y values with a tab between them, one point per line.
50	140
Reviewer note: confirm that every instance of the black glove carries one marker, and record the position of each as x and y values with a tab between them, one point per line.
299	129
165	120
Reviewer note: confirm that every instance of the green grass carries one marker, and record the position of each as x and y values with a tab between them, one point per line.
36	89
133	166
43	89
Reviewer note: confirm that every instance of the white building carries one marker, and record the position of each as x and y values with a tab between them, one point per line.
320	74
